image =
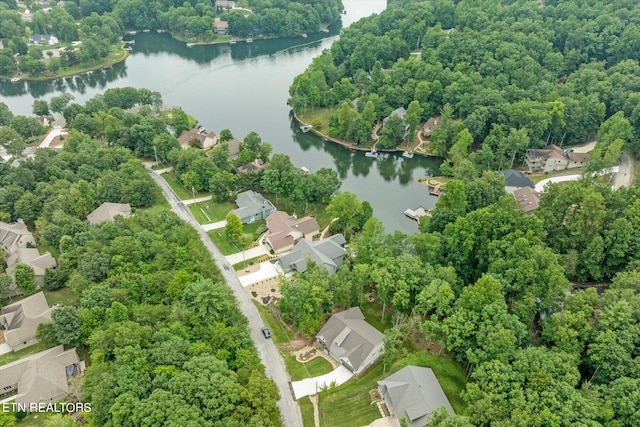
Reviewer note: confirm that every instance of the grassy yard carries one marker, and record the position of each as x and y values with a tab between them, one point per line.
227	247
280	333
15	355
353	398
315	210
242	264
210	211
182	192
313	368
373	315
306	407
318	118
64	296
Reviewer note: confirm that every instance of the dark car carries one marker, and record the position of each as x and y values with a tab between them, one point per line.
265	332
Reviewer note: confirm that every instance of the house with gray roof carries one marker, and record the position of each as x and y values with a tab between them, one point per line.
252	207
413	393
514	179
31	257
43	39
327	252
553	158
108	211
15	235
350	340
19	321
40	377
400	112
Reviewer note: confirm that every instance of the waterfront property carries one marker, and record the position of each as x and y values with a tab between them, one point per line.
350	340
417	213
197	136
553	158
220	27
286	230
43	39
413	393
20	320
252	207
254	166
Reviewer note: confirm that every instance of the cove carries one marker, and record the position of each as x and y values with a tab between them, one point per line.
244	87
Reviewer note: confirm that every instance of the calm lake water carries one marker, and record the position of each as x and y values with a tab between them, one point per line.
244	87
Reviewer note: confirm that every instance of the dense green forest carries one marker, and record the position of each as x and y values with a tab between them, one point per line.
515	74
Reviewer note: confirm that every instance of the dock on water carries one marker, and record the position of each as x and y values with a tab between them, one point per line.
417	213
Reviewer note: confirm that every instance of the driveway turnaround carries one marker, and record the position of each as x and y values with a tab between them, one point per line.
310	386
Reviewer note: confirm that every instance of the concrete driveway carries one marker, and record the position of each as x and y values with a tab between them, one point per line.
564	178
310	386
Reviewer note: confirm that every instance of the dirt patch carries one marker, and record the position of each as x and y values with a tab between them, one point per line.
296	344
375	395
265	288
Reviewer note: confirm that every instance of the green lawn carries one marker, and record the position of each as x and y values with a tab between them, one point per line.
280	333
306	407
182	192
313	368
227	247
353	398
315	210
15	355
210	211
64	296
318	118
241	264
372	312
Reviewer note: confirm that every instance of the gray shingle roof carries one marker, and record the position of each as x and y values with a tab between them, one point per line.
414	392
21	319
349	337
108	211
513	178
327	252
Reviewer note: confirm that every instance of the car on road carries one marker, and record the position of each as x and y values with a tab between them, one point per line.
265	332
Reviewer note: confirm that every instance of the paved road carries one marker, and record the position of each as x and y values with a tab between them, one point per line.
289	409
563	178
624	177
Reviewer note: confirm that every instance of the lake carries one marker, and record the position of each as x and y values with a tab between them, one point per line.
244	87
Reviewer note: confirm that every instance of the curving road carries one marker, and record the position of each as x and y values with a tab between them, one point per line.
289	409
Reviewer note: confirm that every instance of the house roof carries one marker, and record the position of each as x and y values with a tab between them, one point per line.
350	338
15	235
253	166
41	376
218	24
433	122
549	152
400	112
207	139
285	229
251	203
513	178
108	211
414	392
46	38
21	319
233	146
528	198
31	257
326	252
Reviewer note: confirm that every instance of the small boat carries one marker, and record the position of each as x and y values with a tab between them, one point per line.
408	154
232	41
325	30
373	154
305	128
16	80
249	40
189	44
130	41
133	32
304	35
145	31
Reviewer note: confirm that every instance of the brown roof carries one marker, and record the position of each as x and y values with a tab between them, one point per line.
285	230
433	122
234	147
550	151
254	166
528	198
577	157
15	235
220	24
187	135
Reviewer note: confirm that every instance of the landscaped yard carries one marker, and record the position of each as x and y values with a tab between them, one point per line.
313	368
209	211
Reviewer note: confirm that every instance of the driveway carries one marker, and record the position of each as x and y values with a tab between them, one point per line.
624	177
540	185
248	254
5	348
215	225
50	137
310	386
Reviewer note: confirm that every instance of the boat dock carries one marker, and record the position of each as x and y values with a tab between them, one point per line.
417	213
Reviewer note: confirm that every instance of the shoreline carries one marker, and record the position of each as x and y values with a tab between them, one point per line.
79	73
353	145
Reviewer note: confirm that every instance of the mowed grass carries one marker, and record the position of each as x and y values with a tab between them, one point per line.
318	118
15	355
306	407
63	296
209	211
182	192
227	247
313	368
